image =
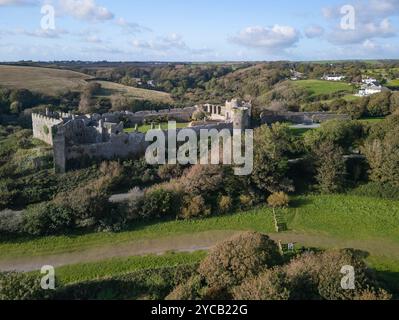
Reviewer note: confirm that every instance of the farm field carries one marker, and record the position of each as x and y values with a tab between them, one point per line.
393	83
321	87
51	81
44	80
111	88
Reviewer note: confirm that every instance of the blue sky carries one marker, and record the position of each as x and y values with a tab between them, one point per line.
185	30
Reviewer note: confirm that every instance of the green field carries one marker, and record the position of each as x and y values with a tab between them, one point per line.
112	88
321	87
338	216
320	221
44	80
372	120
164	126
393	83
115	267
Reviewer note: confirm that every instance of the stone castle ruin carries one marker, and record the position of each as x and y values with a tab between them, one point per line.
102	137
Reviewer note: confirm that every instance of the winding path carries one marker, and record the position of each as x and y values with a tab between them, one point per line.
190	243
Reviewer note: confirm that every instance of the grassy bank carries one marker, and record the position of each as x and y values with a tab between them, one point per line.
339	216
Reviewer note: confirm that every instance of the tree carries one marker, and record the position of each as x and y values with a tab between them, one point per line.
383	158
229	263
272	148
330	167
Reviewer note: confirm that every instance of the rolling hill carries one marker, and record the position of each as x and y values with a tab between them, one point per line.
51	81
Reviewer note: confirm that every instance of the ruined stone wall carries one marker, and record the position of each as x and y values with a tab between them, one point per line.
43	127
119	146
180	115
270	117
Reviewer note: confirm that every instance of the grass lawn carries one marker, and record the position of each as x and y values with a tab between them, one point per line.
164	126
393	83
372	120
346	217
322	87
341	216
116	267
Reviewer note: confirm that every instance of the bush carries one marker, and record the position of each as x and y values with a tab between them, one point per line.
225	204
278	200
168	171
158	203
10	222
47	219
150	284
270	285
229	263
20	286
377	190
190	290
246	201
318	276
194	207
313	276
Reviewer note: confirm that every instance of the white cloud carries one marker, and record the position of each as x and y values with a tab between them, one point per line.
269	39
362	32
93	39
372	21
314	31
86	10
41	33
131	27
170	42
18	2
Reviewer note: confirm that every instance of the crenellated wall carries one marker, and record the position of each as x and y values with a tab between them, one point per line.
43	127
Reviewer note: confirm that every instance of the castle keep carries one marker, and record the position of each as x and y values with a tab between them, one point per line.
77	138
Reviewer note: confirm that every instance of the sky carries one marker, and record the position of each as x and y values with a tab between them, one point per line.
202	30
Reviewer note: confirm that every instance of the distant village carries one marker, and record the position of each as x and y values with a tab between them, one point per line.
369	86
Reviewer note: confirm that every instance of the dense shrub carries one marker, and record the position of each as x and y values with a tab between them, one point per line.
20	286
318	275
278	200
194	207
192	289
270	285
10	222
225	204
312	276
159	203
140	285
374	189
47	219
229	263
246	201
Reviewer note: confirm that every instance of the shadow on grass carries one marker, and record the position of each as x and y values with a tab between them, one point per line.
390	281
299	202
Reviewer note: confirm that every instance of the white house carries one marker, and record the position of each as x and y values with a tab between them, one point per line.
333	77
368	90
370	81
